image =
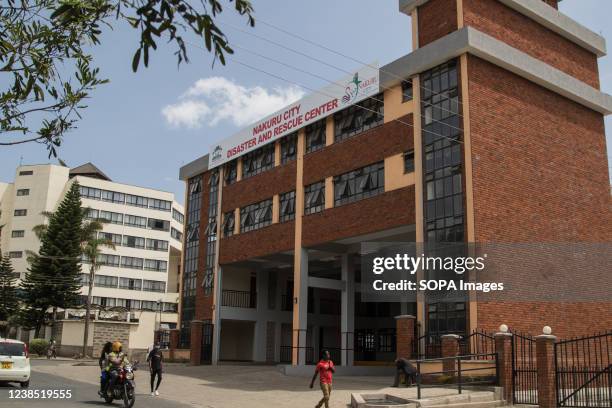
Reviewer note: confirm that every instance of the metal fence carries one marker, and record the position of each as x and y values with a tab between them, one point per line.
524	369
584	371
238	298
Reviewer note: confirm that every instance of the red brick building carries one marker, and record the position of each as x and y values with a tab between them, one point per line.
491	130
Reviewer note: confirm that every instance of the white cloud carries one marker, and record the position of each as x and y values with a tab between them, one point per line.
216	99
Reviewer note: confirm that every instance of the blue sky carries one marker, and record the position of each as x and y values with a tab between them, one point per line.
142	127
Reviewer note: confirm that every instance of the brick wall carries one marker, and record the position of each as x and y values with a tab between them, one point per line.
265	241
437	18
358	151
103	332
391	209
540	174
260	187
521	32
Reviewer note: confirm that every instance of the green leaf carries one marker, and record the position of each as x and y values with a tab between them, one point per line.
136	60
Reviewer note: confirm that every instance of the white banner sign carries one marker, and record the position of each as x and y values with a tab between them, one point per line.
363	84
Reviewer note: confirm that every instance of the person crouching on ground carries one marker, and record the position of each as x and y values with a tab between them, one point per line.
404	366
155	359
325	368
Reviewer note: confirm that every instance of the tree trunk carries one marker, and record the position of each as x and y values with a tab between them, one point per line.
53	322
92	273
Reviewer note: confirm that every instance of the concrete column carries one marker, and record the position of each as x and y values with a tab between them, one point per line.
196	342
545	356
503	348
216	344
347	322
259	340
277	341
404	334
450	348
300	309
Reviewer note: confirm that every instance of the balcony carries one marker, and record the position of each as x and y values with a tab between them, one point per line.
238	298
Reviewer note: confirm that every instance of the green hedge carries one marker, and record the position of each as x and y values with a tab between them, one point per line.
39	346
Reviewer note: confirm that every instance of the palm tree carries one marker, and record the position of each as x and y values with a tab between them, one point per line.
91	245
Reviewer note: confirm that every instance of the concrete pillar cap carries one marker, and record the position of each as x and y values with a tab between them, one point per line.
546	337
405	317
450	336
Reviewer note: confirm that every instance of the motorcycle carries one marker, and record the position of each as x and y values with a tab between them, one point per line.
124	388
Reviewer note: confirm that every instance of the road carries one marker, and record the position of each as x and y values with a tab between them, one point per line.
83	394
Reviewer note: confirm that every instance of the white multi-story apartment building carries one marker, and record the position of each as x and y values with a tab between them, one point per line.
141	273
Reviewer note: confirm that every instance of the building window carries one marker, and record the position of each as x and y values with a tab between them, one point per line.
176	234
16	254
315	136
314	197
256	216
159	225
161	205
231	172
133	242
407	91
26	173
155	265
107	260
211	233
131	284
104	281
149	304
17	234
23	192
89	192
258	161
131	262
153	286
134	221
136	201
92	214
157	245
112	197
287	206
178	216
20	213
117	218
358	118
442	164
409	161
114	238
288	145
228	223
358	184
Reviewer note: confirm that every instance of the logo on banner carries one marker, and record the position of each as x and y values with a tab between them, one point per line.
216	155
358	87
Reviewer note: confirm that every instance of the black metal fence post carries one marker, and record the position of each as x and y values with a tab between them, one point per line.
459	374
418	380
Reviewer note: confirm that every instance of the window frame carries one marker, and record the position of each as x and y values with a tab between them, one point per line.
286	201
359	184
310	133
312	192
259	213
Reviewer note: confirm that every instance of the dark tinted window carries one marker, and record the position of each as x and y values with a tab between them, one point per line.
12	349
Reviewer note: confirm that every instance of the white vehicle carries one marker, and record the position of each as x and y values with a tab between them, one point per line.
14	362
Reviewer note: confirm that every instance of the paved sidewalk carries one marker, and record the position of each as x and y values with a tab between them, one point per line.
230	386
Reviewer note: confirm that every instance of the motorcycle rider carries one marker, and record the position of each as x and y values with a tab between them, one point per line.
116	360
103	363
